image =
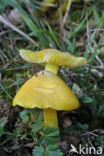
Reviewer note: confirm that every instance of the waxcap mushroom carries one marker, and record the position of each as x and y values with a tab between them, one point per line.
52	56
46	90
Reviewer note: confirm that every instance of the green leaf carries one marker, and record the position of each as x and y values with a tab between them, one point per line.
53	36
77	128
49	136
36	126
38	151
86	99
50	150
100	141
24	116
54	153
38	114
77	30
2	6
29	21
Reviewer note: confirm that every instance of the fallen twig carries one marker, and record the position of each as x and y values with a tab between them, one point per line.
66	14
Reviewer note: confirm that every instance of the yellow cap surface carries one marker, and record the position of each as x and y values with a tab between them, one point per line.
46	90
52	56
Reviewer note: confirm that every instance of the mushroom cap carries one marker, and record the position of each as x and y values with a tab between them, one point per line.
46	90
52	56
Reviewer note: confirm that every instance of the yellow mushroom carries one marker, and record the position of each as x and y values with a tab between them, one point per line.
52	59
45	89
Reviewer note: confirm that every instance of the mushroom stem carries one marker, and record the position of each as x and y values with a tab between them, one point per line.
50	115
51	67
50	118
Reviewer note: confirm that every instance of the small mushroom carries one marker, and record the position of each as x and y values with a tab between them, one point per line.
52	59
46	90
